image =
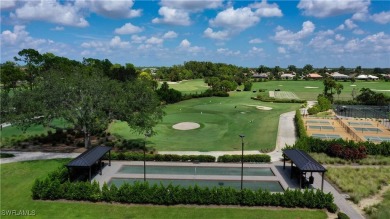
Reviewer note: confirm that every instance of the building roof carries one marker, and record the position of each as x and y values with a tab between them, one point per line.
362	77
314	75
338	75
89	157
287	75
303	161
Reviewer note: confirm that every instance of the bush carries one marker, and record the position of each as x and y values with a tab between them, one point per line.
265	98
160	157
300	124
332	208
257	158
342	215
143	193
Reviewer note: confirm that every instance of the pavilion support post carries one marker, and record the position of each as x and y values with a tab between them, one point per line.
322	183
100	167
68	173
300	180
90	174
109	158
284	161
291	175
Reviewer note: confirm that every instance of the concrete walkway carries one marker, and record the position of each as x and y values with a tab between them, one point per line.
24	156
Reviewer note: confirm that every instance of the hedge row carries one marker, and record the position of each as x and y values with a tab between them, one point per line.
300	124
276	100
143	193
161	157
258	158
188	158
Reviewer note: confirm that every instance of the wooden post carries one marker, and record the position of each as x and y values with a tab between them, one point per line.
109	158
100	167
284	161
291	175
90	174
300	180
322	183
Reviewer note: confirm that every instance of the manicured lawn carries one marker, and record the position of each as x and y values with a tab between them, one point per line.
359	183
17	179
191	86
221	121
12	132
317	87
381	210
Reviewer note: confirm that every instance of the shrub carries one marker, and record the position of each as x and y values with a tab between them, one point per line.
342	215
160	157
257	158
332	208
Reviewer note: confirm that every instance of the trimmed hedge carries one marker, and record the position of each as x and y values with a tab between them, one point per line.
258	158
300	124
161	157
143	193
276	100
342	215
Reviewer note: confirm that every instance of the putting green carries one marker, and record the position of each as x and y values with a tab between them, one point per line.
221	121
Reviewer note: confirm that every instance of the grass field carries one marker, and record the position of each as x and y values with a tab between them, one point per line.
192	86
10	132
221	121
313	88
381	210
359	182
17	179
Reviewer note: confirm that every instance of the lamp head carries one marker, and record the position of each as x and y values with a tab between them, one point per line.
242	136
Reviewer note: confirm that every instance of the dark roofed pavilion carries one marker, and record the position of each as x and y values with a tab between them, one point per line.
89	158
304	163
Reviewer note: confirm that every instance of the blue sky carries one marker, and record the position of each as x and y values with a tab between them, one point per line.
163	33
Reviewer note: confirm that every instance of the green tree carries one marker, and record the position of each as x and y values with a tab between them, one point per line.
339	87
342	69
89	101
292	68
33	60
329	85
10	74
307	69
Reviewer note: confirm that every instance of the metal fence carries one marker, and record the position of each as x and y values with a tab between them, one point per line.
362	111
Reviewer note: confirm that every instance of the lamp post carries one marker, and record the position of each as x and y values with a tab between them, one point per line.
242	159
147	134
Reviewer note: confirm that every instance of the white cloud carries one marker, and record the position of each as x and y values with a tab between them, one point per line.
256	50
350	24
137	39
326	8
170	34
191	5
112	9
235	19
50	11
289	38
341	27
7	4
20	37
128	28
322	40
263	9
93	44
116	42
172	16
339	37
185	45
58	28
282	50
382	18
228	52
218	35
255	41
154	40
358	31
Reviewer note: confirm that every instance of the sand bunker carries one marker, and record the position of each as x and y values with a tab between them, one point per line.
261	107
353	85
311	87
381	90
186	126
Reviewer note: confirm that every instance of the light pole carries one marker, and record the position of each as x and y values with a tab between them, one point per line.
147	134
242	159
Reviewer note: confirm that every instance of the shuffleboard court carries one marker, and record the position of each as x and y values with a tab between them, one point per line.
326	136
321	127
377	138
363	129
360	123
191	170
318	122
